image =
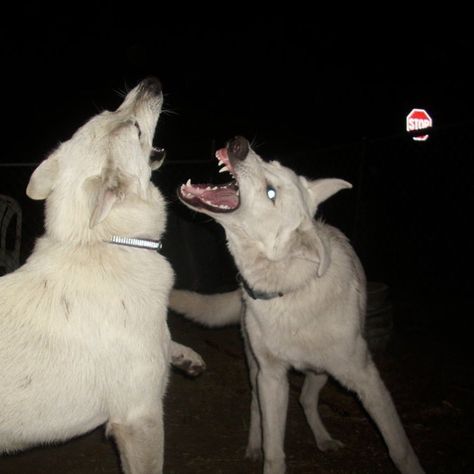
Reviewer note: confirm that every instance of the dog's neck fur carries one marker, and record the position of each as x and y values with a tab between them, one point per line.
269	277
256	295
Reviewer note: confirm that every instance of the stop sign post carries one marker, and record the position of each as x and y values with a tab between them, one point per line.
418	119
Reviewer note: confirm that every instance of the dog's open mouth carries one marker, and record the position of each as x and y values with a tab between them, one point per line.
215	198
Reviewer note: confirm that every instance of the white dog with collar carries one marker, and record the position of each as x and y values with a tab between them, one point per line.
302	301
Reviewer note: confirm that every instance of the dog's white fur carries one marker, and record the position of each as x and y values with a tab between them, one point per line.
83	333
315	327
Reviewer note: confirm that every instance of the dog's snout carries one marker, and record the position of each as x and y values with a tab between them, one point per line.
151	84
238	148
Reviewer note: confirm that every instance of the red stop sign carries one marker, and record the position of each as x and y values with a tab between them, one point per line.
418	119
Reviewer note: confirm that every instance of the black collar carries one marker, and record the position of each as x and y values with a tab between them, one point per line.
254	294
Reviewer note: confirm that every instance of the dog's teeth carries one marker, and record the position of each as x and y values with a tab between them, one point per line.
188	182
223	169
220	206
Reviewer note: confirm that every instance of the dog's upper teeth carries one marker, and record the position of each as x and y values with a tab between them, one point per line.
223	169
186	193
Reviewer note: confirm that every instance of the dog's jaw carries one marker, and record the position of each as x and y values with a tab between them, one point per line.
217	199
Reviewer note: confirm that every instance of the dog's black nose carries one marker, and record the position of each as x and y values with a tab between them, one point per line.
151	84
238	148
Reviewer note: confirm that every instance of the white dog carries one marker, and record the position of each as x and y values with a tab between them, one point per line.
303	301
83	333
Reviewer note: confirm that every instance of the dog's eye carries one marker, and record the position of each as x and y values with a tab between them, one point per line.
271	193
137	126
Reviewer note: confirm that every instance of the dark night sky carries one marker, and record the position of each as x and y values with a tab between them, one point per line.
288	80
322	81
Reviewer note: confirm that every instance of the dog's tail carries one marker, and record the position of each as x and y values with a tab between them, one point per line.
217	310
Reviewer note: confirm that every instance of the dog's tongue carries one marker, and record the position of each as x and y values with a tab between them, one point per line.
220	198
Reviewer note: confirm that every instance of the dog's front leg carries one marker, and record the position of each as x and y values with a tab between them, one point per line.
254	444
272	382
140	443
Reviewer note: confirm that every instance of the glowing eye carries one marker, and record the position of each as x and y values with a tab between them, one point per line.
271	193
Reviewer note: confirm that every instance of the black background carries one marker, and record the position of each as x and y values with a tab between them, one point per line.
320	79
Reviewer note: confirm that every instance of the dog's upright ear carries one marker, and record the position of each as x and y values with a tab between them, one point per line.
43	178
111	187
322	189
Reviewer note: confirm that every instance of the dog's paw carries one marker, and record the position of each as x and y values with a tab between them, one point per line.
188	361
330	445
253	453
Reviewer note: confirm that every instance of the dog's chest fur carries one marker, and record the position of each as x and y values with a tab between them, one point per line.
289	330
304	325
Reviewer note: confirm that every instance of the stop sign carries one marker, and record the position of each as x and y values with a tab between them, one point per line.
418	119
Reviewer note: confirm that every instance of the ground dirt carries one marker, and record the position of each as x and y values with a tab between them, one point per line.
426	367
